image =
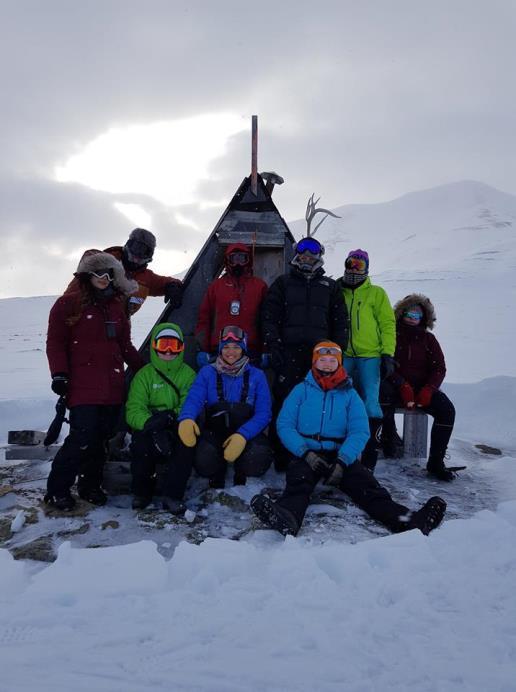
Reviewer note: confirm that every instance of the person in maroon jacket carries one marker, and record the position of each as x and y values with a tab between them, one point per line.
420	371
234	298
135	255
88	341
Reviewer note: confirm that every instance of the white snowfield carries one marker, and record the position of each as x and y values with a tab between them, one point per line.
266	614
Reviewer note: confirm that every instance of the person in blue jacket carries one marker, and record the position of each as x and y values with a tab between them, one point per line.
236	399
324	425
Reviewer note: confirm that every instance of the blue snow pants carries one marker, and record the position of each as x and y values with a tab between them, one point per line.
365	373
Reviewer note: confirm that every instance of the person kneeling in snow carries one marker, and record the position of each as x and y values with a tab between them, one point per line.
238	409
155	398
420	370
324	424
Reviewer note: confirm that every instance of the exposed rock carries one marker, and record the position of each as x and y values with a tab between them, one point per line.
83	528
111	524
81	509
486	449
6	489
42	549
5	529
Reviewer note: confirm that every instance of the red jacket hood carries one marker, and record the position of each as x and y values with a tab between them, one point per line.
239	247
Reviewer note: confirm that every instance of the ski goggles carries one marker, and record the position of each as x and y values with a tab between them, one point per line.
232	333
168	344
138	251
238	258
108	274
309	245
413	314
328	351
359	265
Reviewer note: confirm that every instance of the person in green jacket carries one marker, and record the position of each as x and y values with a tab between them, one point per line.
155	398
372	341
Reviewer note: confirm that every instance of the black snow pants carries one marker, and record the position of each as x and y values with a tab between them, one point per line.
147	450
84	450
441	409
210	463
357	482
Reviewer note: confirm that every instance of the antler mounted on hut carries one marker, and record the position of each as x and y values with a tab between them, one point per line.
311	211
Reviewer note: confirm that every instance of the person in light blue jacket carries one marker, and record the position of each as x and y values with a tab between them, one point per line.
236	399
323	423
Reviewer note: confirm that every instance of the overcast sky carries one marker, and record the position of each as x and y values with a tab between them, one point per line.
357	101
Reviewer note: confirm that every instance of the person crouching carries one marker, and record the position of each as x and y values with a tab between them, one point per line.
155	398
237	402
324	424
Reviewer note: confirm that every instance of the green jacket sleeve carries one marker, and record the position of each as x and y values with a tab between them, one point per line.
137	410
386	322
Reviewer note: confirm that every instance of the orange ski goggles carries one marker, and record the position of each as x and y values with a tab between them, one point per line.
168	344
359	265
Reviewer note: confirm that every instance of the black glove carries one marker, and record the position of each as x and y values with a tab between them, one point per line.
60	383
277	357
388	365
335	476
160	421
317	463
174	294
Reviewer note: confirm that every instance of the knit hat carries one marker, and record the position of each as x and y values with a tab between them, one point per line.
234	335
360	255
327	348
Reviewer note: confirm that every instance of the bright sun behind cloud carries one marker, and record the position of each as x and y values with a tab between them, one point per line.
165	160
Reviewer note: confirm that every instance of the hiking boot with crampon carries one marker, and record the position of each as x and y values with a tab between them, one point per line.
428	517
176	507
437	469
274	516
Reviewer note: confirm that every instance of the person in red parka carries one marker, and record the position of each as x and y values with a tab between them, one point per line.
420	371
235	298
135	255
88	342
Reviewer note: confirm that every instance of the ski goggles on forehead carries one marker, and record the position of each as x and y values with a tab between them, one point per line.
238	258
413	314
309	245
328	351
108	274
356	263
168	344
232	333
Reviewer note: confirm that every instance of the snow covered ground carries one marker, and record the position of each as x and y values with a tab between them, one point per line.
162	606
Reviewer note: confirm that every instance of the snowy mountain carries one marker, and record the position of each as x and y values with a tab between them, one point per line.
455	243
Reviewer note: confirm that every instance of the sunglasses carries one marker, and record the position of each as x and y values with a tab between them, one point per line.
360	265
168	344
238	258
232	332
328	351
108	275
309	245
413	315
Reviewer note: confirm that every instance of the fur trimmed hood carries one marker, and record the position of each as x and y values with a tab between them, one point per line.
426	304
103	260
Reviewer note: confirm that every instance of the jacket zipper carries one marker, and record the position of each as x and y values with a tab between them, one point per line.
322	413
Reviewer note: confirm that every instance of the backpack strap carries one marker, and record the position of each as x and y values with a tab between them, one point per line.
168	381
245	387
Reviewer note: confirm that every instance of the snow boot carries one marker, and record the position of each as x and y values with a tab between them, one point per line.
95	496
217	482
64	503
370	453
176	507
428	517
437	469
392	446
141	501
274	516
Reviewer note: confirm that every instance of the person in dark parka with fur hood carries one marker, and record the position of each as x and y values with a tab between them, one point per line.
420	371
88	341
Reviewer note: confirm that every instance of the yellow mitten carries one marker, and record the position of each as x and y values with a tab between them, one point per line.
233	447
188	432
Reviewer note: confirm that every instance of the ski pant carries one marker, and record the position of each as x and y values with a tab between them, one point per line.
297	363
365	373
145	455
440	408
357	482
209	459
83	452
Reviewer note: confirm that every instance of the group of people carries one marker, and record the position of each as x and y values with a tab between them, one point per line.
342	358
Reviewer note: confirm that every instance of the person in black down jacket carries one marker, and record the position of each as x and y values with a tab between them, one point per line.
300	309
